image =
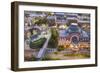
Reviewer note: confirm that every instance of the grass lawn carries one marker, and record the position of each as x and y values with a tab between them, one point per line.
38	43
78	55
49	58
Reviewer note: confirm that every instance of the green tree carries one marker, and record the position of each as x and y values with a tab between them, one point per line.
53	43
41	20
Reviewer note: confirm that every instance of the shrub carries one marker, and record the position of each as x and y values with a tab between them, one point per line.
34	58
55	52
60	48
46	58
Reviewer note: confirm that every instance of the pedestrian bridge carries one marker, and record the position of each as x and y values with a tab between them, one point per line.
44	48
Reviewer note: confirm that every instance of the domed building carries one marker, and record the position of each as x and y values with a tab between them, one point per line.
73	35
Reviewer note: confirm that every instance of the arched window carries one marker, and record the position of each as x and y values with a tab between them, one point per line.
75	40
